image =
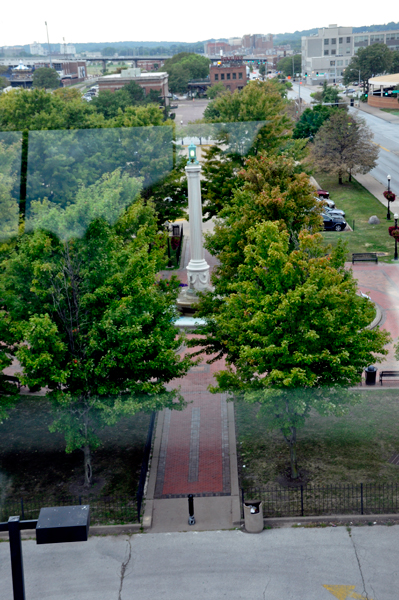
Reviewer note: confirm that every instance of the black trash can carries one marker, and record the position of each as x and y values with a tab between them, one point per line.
371	374
352	102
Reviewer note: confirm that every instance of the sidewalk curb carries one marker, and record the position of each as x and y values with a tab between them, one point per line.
290	521
234	486
149	498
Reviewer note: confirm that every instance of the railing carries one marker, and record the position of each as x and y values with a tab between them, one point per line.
104	510
308	500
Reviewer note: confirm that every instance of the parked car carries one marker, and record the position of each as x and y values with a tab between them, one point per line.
326	201
333	223
334	211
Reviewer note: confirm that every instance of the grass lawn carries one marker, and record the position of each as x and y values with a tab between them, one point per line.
359	205
351	449
33	461
393	111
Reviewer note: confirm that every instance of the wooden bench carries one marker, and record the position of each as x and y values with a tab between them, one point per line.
12	379
364	257
394	374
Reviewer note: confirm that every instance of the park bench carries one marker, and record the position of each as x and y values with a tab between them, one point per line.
383	374
364	257
12	379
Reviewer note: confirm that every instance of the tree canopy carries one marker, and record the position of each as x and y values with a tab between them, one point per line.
99	327
343	145
290	65
185	66
45	78
311	120
292	329
370	61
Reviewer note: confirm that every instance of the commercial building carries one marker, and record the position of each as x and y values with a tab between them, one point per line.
326	55
67	49
37	49
147	81
230	71
256	43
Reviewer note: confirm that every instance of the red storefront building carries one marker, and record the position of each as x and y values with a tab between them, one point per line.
230	71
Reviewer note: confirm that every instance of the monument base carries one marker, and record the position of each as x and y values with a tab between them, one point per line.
187	301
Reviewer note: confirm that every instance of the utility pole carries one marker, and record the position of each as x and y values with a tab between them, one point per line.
49	47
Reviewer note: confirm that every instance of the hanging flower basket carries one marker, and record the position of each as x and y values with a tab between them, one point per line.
394	232
389	196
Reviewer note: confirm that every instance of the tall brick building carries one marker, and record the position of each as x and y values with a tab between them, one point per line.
230	71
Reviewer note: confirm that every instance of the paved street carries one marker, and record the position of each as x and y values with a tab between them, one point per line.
386	135
279	564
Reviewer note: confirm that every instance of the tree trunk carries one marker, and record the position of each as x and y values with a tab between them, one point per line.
87	466
340	179
350	176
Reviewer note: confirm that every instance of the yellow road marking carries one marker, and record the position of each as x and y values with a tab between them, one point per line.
386	149
343	592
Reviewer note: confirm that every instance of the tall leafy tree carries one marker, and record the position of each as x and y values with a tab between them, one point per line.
311	120
290	65
263	104
293	331
370	61
45	78
98	327
185	66
273	188
344	145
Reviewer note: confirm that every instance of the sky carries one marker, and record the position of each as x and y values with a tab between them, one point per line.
178	20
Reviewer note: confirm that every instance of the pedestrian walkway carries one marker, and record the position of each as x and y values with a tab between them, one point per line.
194	449
381	283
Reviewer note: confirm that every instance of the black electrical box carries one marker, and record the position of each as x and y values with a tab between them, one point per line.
63	524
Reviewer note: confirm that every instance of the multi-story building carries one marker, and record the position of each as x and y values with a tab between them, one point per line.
37	49
148	81
67	49
326	55
230	71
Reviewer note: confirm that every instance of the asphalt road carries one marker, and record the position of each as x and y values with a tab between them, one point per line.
386	136
279	564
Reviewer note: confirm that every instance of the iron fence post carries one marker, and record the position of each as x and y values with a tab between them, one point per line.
22	509
301	500
242	502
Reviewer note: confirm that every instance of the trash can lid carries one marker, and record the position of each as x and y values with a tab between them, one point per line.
371	369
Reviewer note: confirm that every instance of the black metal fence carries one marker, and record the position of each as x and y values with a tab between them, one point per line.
144	466
310	500
104	510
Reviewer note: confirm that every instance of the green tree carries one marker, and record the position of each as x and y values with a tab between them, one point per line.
109	103
4	83
395	62
9	392
328	94
370	61
262	70
290	65
98	328
185	66
311	120
109	51
344	145
215	90
45	78
293	331
273	188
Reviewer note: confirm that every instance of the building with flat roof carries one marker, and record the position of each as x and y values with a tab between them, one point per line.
326	54
230	71
147	81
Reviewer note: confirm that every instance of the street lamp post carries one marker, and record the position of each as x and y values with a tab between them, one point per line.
396	216
388	199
